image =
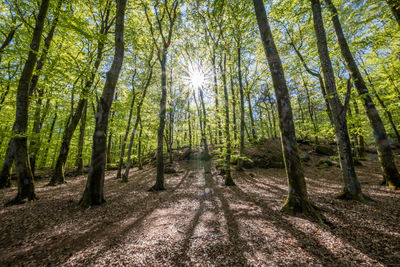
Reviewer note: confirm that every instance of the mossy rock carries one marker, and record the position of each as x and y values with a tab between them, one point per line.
324	150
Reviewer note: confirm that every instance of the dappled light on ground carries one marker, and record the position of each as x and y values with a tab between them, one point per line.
198	220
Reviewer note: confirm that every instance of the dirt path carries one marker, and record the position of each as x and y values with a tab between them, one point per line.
198	221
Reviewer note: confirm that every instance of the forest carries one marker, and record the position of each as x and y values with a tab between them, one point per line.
199	133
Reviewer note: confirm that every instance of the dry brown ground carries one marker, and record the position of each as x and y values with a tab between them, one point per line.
184	226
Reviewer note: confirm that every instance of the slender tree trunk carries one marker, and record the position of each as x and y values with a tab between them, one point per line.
233	108
138	119
253	129
121	157
159	185
297	200
395	7
382	103
189	125
58	175
140	163
361	142
219	141
46	151
109	142
352	188
206	154
390	173
241	145
79	157
26	187
94	191
228	177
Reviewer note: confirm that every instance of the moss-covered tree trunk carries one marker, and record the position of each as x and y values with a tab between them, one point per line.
94	190
297	200
26	187
352	188
385	154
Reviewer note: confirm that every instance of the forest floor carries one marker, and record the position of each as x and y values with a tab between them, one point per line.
198	221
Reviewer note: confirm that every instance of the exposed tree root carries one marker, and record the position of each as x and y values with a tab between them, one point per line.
360	197
156	188
297	206
22	200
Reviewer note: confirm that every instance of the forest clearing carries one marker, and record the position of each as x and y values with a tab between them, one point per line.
199	133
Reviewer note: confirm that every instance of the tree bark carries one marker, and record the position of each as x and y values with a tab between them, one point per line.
26	187
228	176
159	185
241	145
352	188
385	154
297	200
94	191
79	157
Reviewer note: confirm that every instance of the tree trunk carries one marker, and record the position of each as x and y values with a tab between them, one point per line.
233	108
253	130
241	145
352	188
382	103
79	157
228	177
385	154
140	163
206	154
26	188
159	185
189	125
297	200
138	119
94	191
121	157
34	145
395	7
5	178
216	101
58	176
46	151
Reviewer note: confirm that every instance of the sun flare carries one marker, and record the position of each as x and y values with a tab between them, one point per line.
196	79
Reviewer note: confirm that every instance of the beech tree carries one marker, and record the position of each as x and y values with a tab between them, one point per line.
297	200
94	190
26	187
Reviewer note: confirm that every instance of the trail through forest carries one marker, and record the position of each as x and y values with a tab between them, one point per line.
198	220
